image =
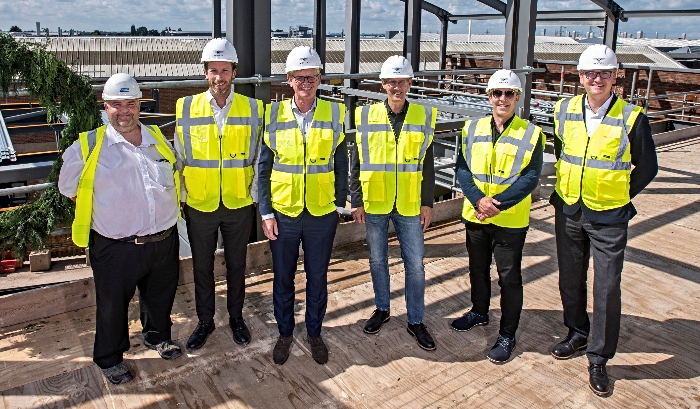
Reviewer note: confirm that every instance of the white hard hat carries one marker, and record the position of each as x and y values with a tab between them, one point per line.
597	57
121	86
396	66
302	58
219	49
504	79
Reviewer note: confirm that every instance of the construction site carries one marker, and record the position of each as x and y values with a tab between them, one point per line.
47	296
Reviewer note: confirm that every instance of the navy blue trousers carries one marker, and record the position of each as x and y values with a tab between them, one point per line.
316	234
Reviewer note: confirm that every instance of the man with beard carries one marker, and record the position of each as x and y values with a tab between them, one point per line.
216	140
303	187
122	178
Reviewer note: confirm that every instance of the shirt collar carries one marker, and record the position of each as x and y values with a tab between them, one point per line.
603	108
212	100
388	109
113	136
295	108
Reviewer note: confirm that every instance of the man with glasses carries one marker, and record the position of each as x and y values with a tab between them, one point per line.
216	139
393	178
606	156
303	188
498	167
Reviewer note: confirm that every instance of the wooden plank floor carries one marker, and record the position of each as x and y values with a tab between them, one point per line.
47	363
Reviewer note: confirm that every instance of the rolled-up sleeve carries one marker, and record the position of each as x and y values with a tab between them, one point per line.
72	168
180	165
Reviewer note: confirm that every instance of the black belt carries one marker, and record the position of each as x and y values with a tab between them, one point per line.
151	238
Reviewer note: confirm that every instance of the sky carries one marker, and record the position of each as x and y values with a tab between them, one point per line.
376	16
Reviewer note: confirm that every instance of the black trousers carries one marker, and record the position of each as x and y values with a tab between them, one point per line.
316	234
119	268
577	238
483	240
203	233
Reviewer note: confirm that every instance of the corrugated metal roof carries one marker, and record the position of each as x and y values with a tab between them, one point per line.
179	56
658	42
486	38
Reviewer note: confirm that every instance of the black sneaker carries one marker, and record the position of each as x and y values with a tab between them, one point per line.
421	334
166	349
375	322
199	335
501	350
118	374
469	321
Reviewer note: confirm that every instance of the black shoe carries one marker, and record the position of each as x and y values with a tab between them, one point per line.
469	321
166	349
200	334
319	350
118	374
568	347
421	334
241	335
598	379
375	322
501	350
281	351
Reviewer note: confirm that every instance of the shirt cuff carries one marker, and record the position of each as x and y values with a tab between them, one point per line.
267	216
339	209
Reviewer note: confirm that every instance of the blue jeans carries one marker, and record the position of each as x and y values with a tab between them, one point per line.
410	234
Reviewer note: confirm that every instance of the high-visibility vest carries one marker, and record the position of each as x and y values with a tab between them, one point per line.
596	169
218	168
303	172
388	166
90	147
495	167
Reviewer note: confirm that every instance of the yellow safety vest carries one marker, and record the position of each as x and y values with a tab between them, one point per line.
595	169
388	166
90	147
303	172
218	168
495	167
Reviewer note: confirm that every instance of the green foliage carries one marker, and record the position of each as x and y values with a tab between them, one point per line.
15	29
62	92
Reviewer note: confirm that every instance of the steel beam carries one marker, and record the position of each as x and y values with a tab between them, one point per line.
661	13
610	31
411	32
444	17
253	55
497	5
263	47
352	56
519	47
216	28
320	30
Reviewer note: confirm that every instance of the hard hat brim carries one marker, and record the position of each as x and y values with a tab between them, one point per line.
120	97
597	67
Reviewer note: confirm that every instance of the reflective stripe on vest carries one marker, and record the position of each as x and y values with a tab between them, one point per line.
303	168
91	144
383	176
596	168
491	159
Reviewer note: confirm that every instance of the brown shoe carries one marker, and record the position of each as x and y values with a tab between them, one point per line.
280	353
319	350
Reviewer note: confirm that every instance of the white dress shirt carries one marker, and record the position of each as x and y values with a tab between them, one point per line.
593	119
134	192
304	120
220	115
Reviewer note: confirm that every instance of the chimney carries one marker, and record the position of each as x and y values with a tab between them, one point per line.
38	28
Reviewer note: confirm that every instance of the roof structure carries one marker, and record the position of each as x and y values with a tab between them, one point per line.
7	151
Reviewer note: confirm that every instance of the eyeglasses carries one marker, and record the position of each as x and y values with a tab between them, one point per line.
302	79
497	93
396	84
604	75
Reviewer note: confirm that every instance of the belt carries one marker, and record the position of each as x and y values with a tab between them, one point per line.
151	238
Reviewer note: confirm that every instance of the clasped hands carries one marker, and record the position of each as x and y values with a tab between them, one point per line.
486	207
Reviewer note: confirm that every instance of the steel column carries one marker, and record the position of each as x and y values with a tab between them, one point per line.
262	47
216	28
411	32
610	31
444	22
519	47
320	30
352	56
252	42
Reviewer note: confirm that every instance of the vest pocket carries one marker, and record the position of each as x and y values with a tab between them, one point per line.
612	185
281	188
414	183
236	182
195	182
326	189
373	187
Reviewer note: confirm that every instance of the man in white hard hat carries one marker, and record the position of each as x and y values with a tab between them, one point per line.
122	177
393	178
498	167
606	156
303	187
216	139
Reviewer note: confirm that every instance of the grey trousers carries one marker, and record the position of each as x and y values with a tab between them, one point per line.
576	239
